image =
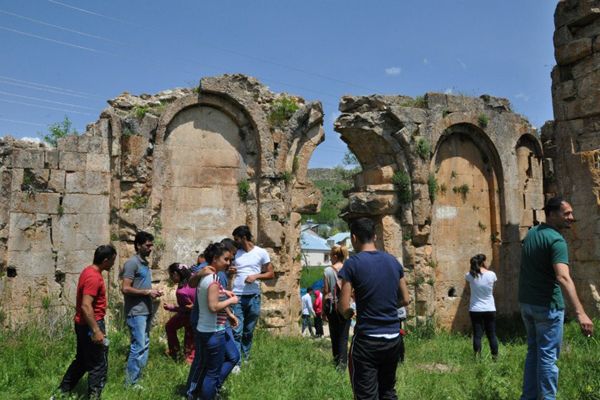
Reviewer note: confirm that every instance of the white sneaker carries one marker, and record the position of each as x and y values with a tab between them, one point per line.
236	370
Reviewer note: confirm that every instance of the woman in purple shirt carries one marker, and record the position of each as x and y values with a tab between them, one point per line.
180	274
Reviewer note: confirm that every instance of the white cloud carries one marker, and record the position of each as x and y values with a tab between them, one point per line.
31	139
448	91
462	64
392	71
522	96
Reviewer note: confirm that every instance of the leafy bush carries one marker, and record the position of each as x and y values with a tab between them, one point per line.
282	110
243	190
423	149
432	185
463	190
137	201
402	181
59	130
483	120
417	102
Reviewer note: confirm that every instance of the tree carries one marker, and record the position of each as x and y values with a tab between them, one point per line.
59	130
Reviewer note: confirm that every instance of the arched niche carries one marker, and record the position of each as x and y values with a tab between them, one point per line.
205	159
530	181
466	215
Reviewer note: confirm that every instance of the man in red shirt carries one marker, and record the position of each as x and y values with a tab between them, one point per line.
92	345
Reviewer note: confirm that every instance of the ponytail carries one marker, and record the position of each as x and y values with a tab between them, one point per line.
476	263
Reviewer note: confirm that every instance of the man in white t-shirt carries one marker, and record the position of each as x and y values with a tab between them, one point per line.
251	265
307	312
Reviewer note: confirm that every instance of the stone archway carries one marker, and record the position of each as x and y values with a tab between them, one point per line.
465	218
204	164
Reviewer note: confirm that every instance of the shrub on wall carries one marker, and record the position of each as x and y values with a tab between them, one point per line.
282	110
402	182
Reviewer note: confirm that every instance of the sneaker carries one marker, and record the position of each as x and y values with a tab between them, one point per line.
236	370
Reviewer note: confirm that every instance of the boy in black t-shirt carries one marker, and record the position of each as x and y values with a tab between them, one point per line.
379	288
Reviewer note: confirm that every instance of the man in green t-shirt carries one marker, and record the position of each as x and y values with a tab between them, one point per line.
543	279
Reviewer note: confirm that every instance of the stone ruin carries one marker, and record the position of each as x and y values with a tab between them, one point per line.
572	140
444	176
188	165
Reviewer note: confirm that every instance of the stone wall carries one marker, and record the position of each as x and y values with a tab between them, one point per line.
572	141
446	177
173	164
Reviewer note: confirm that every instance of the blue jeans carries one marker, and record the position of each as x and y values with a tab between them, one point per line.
544	336
247	311
216	355
139	330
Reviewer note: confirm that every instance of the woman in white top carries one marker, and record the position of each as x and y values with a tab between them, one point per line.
482	308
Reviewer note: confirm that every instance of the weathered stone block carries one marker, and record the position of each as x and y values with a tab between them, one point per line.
80	231
72	262
32	263
46	203
85	204
68	143
51	159
56	181
98	162
27	158
72	161
28	233
90	182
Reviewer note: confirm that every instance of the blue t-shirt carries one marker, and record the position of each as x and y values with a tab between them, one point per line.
375	277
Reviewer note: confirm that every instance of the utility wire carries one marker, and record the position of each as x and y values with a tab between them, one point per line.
37	21
46	107
21	122
90	12
42	89
46	101
48	86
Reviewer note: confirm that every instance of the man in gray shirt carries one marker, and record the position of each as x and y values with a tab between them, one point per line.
138	294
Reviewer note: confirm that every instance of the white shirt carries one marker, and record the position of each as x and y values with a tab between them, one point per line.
249	263
307	308
482	291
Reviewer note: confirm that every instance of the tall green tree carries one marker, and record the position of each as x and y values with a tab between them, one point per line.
59	130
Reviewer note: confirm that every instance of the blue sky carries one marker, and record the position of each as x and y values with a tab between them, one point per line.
67	57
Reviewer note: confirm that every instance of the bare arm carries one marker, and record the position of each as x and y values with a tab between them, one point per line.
568	287
404	299
197	277
345	300
126	288
87	310
267	273
214	305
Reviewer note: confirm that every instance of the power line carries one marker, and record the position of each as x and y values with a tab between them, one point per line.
55	41
48	86
46	107
21	122
27	86
37	21
46	101
90	12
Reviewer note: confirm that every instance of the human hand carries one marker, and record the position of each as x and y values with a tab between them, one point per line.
98	337
233	321
233	299
154	293
231	271
228	293
208	270
586	325
250	278
169	307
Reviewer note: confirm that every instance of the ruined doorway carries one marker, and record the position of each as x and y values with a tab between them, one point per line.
466	217
204	165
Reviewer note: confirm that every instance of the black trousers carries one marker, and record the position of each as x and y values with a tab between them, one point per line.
91	358
484	321
339	328
318	326
373	363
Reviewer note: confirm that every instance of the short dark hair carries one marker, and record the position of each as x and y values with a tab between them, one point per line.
213	251
309	289
363	229
553	205
182	270
142	237
242	231
104	252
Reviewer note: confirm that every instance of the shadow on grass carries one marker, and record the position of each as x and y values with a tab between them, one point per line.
510	329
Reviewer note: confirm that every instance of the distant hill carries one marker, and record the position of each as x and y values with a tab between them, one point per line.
323	174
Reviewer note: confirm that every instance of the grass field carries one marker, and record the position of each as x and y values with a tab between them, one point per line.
33	361
310	276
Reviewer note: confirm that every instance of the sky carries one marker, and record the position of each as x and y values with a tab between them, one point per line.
67	57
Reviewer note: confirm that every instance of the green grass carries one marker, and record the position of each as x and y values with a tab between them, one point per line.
33	361
310	276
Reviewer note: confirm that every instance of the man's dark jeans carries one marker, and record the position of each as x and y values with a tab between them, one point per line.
91	358
372	367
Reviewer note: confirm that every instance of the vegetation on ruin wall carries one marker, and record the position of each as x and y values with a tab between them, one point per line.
282	110
402	181
436	367
58	130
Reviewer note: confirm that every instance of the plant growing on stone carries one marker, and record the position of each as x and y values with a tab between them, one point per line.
286	176
282	110
443	188
295	165
60	210
407	236
417	102
59	130
483	120
114	237
481	226
463	190
137	201
423	148
453	174
243	190
402	182
430	281
140	111
432	185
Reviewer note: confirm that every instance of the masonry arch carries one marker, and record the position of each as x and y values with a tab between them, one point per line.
530	180
466	216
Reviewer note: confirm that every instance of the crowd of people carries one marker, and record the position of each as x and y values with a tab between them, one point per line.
218	306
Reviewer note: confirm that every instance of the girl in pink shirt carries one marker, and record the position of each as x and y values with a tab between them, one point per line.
180	274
